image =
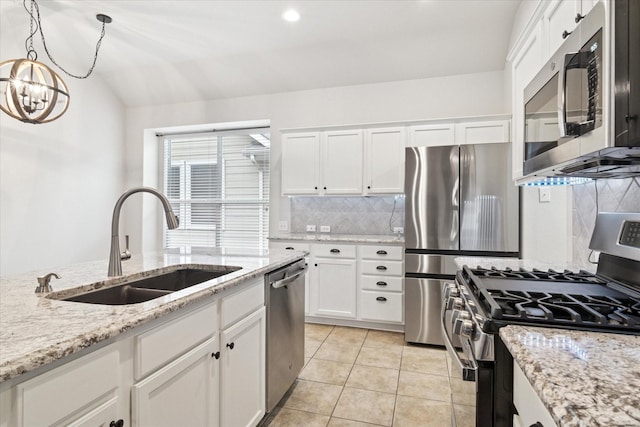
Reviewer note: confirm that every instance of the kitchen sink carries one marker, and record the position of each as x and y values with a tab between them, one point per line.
148	288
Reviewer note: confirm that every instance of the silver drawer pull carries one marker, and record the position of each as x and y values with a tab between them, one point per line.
381	283
381	252
335	251
381	299
381	268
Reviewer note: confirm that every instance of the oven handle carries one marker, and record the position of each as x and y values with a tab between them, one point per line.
468	368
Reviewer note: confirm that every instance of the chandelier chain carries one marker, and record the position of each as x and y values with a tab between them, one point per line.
28	43
38	26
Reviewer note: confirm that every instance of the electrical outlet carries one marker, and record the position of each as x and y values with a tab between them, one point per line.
544	194
283	226
325	229
399	230
311	228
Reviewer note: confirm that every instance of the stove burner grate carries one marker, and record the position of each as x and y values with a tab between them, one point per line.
536	274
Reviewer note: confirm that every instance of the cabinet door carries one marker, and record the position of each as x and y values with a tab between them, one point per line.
183	393
242	372
559	17
301	163
431	135
384	168
524	67
333	287
103	416
342	160
482	132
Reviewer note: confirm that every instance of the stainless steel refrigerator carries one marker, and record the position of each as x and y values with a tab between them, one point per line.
460	201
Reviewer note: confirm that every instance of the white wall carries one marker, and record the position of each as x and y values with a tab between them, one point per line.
59	181
452	96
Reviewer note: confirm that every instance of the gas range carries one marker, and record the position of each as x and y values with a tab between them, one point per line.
564	299
483	300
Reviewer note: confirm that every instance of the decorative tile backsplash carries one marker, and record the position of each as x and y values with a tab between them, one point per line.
603	195
348	215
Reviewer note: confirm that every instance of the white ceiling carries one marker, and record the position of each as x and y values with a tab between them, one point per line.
189	50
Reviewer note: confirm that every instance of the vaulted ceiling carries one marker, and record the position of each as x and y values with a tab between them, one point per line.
158	51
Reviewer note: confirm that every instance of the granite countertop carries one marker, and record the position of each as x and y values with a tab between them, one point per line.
583	378
35	330
347	238
516	263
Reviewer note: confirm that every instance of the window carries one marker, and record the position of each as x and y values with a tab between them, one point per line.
218	184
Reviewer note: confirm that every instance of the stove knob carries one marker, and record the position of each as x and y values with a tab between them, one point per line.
464	315
463	328
472	306
451	290
456	303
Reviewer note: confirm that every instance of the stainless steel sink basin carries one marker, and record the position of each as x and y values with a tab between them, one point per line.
148	288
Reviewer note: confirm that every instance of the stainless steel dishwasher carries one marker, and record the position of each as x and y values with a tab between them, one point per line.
284	296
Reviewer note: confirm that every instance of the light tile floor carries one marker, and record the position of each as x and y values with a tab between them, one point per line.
358	377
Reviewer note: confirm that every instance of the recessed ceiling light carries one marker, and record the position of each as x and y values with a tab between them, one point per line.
291	15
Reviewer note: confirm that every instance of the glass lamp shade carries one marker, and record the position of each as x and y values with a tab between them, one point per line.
32	92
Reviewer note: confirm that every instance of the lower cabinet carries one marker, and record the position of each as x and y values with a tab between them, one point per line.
185	392
355	285
530	411
242	372
180	370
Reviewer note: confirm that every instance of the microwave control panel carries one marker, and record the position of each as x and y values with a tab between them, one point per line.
630	235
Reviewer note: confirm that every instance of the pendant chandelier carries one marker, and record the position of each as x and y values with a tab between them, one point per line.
30	91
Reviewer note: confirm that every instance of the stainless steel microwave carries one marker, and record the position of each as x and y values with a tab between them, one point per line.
569	111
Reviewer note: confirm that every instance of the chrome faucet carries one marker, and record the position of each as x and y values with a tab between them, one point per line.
43	283
115	257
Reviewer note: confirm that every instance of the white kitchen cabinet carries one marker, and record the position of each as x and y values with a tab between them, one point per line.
559	17
93	393
342	162
381	283
526	63
301	163
384	160
296	246
333	281
185	392
482	132
242	372
432	135
529	408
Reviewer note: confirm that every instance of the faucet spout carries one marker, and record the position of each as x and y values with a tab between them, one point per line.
115	258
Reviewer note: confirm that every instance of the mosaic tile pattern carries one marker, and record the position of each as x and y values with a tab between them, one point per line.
348	215
604	195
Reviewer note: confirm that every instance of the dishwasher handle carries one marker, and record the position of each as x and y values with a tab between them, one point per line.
284	282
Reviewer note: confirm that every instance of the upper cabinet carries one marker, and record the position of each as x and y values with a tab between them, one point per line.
342	160
384	160
301	163
370	160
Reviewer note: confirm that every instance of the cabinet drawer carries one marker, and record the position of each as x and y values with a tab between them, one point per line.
289	246
86	383
381	252
334	251
530	408
381	306
240	304
377	283
384	268
168	341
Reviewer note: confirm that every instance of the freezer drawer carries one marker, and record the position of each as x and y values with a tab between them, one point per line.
423	299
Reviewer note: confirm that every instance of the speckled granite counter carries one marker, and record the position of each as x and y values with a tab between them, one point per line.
35	331
347	238
583	378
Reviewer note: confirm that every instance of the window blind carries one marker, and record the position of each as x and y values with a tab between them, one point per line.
218	184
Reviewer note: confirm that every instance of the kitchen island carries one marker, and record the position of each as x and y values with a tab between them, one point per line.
137	363
582	378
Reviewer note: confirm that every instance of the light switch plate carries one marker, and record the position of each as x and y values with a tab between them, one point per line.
325	229
283	226
544	194
311	228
